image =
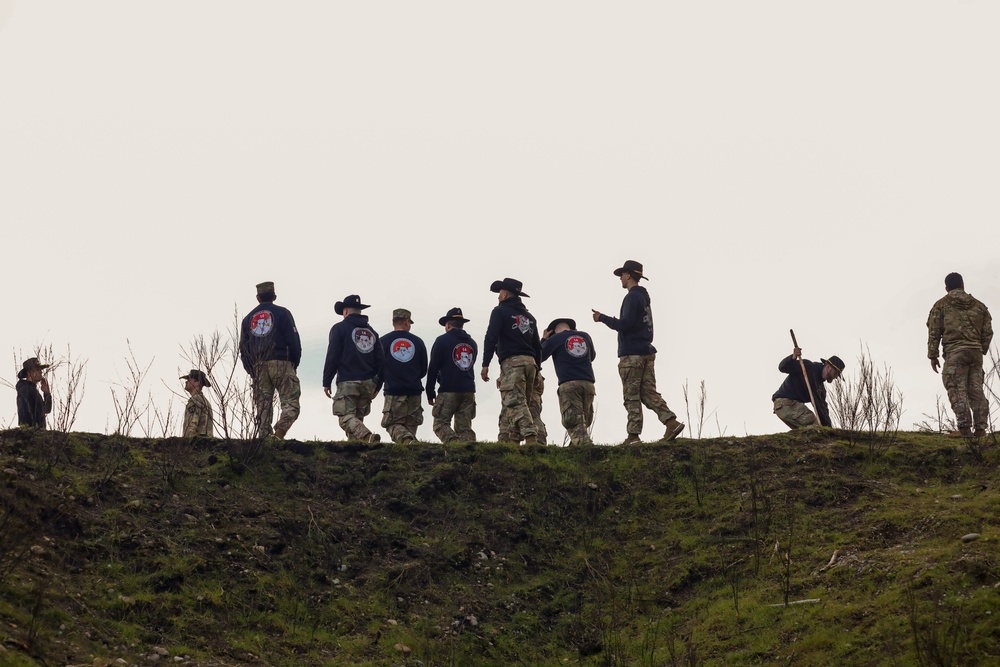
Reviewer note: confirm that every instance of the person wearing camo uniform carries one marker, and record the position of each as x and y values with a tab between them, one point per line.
453	358
270	350
962	325
405	365
636	355
790	399
512	335
572	354
198	420
355	358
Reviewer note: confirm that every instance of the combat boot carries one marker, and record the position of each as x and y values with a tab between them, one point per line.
981	433
532	440
963	432
632	439
372	438
674	429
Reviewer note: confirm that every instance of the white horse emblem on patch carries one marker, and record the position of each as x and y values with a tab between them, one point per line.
364	340
261	323
462	356
576	346
402	350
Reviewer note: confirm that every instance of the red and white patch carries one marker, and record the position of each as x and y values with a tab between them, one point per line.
576	346
364	339
464	356
262	323
522	323
402	350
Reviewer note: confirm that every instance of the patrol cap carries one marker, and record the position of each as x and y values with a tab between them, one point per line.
453	314
570	323
30	364
632	267
198	375
350	301
509	284
836	362
265	287
402	314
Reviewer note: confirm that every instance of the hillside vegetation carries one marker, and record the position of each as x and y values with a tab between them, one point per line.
119	551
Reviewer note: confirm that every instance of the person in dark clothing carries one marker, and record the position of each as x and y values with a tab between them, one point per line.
572	352
404	366
32	406
791	397
355	358
452	366
270	350
636	355
512	335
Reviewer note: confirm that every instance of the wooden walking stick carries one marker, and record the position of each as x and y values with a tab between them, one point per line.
805	376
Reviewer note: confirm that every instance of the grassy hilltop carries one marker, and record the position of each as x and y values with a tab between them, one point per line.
119	551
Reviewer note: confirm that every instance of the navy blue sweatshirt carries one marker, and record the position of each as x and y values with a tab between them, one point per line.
405	363
268	332
572	353
31	405
512	331
353	352
453	357
794	386
634	324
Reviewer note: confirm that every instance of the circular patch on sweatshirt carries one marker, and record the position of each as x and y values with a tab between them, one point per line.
463	355
364	339
576	346
402	349
261	323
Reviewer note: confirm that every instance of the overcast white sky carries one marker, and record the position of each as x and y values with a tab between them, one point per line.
774	165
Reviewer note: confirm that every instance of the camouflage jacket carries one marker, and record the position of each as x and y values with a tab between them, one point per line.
959	322
198	420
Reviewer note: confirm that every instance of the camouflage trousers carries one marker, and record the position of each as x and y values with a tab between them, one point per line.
576	403
534	407
401	415
517	388
276	375
351	404
793	413
963	380
460	406
639	389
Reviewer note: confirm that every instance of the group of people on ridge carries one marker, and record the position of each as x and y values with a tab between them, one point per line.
360	364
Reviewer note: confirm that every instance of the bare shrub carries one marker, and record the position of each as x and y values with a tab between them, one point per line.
218	356
696	427
868	404
130	406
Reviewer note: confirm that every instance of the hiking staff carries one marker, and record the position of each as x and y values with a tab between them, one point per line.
805	376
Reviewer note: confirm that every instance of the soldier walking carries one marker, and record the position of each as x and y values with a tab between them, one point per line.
572	355
512	335
405	365
636	355
270	350
355	358
963	326
453	357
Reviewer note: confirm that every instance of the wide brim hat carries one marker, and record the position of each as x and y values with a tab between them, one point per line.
350	301
453	314
509	284
198	375
632	267
569	322
836	362
30	363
